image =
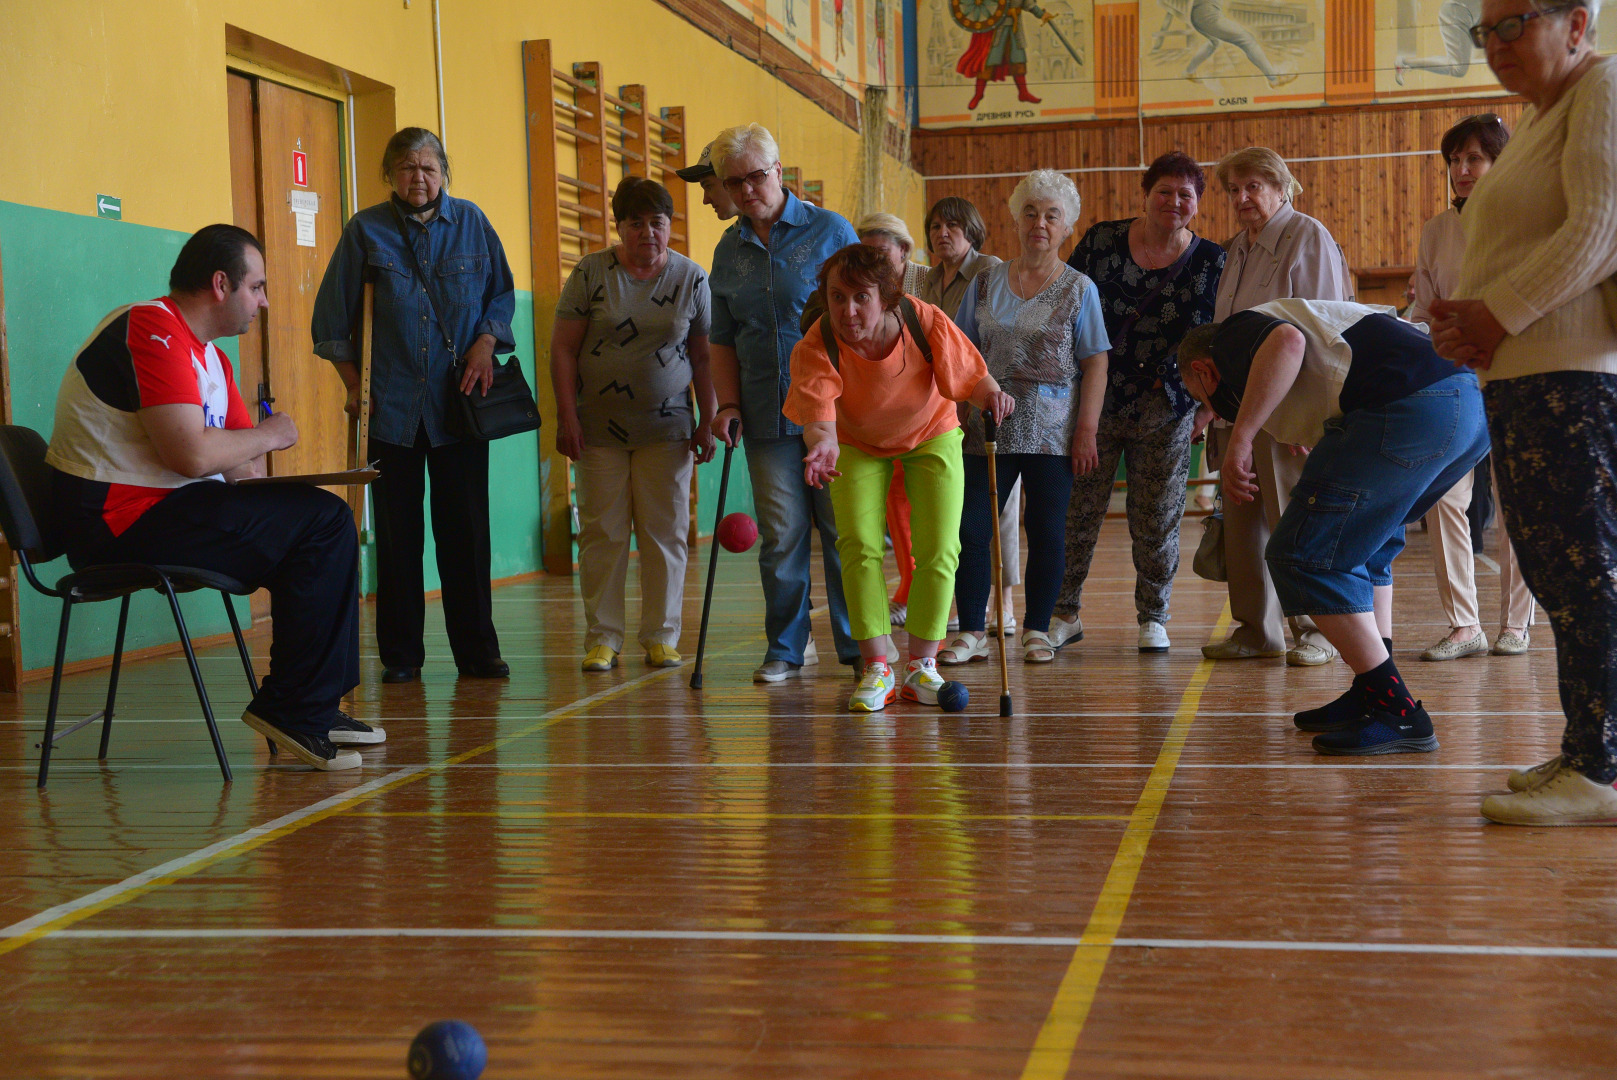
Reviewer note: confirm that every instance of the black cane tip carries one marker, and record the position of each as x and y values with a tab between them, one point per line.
1005	705
696	681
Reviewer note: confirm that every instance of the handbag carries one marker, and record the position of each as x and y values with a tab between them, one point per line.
507	409
1209	559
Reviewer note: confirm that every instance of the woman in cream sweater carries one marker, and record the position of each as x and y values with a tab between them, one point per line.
1540	242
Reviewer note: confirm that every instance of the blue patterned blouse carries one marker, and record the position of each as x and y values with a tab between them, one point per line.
1142	360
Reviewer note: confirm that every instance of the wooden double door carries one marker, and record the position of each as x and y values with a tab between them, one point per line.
286	163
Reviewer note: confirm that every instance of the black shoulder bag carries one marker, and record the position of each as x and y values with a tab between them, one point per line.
507	409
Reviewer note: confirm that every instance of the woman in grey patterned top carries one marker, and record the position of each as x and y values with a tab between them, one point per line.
1038	323
629	346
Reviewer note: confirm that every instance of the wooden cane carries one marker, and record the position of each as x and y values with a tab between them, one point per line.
990	431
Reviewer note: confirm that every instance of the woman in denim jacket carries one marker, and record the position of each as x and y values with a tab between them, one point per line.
443	294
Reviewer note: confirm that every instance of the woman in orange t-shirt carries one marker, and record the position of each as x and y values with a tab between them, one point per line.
883	389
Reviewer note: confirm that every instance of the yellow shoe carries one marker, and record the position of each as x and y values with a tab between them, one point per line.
600	658
660	655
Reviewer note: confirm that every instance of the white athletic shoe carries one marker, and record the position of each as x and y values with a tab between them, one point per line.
1153	637
877	689
1566	798
811	655
1065	631
922	682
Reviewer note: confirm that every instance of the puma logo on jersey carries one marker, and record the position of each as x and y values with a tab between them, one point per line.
164	340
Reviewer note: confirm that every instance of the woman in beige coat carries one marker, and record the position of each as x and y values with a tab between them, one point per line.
1280	253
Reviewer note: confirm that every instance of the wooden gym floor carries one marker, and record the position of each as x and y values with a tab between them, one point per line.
1145	873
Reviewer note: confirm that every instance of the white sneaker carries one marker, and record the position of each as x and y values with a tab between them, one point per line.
1153	637
1528	779
1566	798
811	655
897	613
774	671
922	682
877	688
1064	631
968	646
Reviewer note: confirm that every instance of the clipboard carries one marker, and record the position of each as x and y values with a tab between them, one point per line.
342	478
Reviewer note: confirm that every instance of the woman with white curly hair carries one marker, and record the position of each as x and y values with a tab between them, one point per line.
1038	324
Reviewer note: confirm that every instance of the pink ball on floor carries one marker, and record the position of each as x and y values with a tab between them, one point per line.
737	532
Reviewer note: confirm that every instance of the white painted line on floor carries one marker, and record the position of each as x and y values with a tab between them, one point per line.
833	938
1302	766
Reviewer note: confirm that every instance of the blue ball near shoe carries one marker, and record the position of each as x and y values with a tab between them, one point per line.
953	696
447	1050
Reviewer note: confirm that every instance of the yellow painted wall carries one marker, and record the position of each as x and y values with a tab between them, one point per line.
128	98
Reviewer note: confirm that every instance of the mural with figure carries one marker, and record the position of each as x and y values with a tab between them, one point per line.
1424	48
1231	54
1004	61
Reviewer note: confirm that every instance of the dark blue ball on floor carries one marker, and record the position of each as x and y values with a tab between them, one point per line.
953	696
447	1050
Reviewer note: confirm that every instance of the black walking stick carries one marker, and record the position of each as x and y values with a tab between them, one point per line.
713	557
990	431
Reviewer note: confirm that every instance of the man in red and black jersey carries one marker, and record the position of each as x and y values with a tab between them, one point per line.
150	426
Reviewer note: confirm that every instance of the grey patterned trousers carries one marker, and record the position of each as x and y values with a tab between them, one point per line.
1555	454
1157	447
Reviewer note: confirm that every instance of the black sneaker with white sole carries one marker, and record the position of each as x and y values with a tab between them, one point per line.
346	731
1381	732
316	751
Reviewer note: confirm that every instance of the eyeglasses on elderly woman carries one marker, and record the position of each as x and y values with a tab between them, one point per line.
1511	28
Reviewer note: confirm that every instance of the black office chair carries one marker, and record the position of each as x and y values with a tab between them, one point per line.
31	529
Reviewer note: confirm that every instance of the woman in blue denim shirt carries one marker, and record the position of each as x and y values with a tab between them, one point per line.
422	232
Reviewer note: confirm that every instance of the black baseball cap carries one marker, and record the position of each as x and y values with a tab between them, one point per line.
701	170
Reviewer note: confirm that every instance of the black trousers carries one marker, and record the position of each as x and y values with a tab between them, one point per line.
459	474
297	541
1047	481
1555	451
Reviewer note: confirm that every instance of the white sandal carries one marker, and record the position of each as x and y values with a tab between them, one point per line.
968	646
1037	648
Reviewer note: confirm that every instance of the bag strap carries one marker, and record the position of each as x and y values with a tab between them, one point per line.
911	319
443	327
1161	286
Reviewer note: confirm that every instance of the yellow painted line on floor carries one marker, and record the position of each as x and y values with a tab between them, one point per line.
47	922
1053	1050
720	815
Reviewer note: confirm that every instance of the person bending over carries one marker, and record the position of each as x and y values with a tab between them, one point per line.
875	383
150	425
1392	427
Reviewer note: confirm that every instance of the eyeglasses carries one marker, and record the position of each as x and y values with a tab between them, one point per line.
1510	29
754	180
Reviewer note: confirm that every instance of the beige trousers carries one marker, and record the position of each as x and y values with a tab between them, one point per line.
1456	568
646	490
1254	607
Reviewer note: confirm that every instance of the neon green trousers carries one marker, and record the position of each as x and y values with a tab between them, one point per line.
934	481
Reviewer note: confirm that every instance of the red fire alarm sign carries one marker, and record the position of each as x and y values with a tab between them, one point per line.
300	168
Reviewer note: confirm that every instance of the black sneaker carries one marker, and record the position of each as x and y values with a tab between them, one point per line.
1381	733
1335	715
346	731
315	751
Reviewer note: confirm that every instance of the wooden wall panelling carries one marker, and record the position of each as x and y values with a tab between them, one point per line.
544	248
1375	206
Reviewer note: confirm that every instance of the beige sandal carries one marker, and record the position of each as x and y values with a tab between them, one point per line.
1036	647
966	647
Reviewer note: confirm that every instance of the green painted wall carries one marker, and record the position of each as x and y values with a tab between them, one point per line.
64	272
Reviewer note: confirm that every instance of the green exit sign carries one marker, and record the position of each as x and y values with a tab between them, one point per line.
109	206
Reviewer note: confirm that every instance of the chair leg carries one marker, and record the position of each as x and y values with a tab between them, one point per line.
246	660
196	677
112	682
56	692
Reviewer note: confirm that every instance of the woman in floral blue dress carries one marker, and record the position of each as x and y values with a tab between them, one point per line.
1157	279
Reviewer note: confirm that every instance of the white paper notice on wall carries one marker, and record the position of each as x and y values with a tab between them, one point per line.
305	229
305	205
